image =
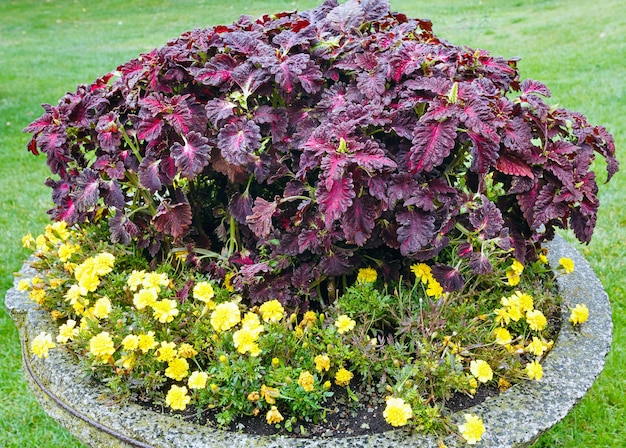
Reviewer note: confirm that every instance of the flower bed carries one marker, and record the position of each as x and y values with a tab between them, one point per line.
512	419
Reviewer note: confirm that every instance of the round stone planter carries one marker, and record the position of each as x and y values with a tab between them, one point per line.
514	418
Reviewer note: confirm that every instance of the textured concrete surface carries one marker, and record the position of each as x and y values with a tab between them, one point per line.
512	419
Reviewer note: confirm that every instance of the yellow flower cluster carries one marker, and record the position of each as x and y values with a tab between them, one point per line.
367	275
579	314
397	412
514	273
423	272
473	429
567	264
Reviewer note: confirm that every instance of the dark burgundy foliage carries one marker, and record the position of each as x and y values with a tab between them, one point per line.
300	145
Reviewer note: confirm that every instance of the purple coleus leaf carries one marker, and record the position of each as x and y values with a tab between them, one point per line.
432	143
109	135
336	200
416	230
240	206
173	219
260	221
218	111
217	71
359	221
448	277
87	190
238	140
193	156
487	219
123	230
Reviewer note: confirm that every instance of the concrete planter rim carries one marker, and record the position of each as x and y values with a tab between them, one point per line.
514	418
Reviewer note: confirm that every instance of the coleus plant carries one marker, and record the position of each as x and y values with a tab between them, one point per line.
295	148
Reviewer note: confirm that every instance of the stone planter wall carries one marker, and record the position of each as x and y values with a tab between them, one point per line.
515	418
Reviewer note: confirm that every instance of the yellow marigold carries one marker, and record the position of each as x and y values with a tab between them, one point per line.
41	344
397	412
66	250
186	351
536	320
306	381
102	308
177	369
204	292
322	362
56	282
130	342
225	316
543	259
534	370
272	311
42	244
252	323
503	384
166	352
165	310
245	341
367	275
198	380
147	342
537	347
67	331
227	282
102	346
579	314
343	377
60	229
145	297
74	292
273	416
103	263
514	272
308	320
155	280
422	272
434	289
177	398
23	285
502	335
344	324
269	394
515	313
567	264
524	301
481	370
37	295
28	241
127	361
473	429
135	279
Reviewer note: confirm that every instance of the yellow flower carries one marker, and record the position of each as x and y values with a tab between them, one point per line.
127	361
41	344
536	320
397	412
23	285
135	279
515	313
177	369
272	311
103	263
580	314
502	335
66	250
147	342
422	271
273	416
177	398
366	275
225	316
102	308
186	351
145	297
343	377
252	323
481	370
473	429
166	352
523	300
322	362
269	394
101	346
567	264
245	341
308	320
503	384
434	289
227	282
165	310
537	347
514	272
543	259
28	241
67	331
306	381
534	370
344	324
60	229
37	295
198	380
131	342
204	292
155	280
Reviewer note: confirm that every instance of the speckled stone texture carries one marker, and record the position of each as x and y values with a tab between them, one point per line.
515	418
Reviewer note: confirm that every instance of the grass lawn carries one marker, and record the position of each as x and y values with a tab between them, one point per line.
48	47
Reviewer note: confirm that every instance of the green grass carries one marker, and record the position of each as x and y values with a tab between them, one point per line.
49	46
